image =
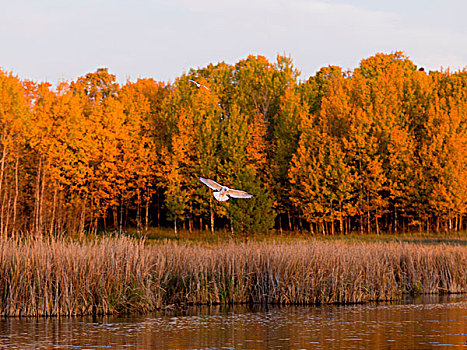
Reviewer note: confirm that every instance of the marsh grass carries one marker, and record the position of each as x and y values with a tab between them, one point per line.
122	275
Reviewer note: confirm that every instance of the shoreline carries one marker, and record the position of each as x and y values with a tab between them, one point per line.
61	277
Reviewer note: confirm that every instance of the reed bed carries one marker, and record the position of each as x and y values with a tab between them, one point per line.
121	275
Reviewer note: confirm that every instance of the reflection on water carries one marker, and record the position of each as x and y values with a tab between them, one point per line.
421	323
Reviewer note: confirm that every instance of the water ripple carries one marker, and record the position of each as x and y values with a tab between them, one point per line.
399	325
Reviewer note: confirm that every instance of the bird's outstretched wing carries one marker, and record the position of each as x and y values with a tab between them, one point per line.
211	184
238	194
199	85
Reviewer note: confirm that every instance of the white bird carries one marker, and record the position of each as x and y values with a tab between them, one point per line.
199	85
223	193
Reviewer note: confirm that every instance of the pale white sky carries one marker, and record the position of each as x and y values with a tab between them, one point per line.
53	40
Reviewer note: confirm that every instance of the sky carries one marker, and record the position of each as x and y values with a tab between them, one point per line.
61	40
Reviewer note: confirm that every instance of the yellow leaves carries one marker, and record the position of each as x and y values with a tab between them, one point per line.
401	134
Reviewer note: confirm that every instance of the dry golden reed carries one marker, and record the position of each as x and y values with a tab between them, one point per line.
116	275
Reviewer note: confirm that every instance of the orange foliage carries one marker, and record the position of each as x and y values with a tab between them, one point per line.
379	148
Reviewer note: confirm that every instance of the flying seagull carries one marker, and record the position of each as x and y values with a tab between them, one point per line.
199	85
223	193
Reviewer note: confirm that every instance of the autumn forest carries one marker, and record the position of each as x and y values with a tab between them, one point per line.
381	148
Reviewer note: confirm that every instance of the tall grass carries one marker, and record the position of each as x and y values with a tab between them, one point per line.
115	275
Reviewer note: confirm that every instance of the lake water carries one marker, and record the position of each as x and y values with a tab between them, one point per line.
421	323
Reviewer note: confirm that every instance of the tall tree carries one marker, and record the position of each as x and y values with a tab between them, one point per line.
14	118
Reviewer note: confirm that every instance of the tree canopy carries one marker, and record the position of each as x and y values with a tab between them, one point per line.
379	148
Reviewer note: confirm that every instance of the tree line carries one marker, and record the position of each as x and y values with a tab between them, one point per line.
378	148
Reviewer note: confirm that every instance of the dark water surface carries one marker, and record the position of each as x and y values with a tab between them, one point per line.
422	323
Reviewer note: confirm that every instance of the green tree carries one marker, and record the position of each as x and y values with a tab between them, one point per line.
246	215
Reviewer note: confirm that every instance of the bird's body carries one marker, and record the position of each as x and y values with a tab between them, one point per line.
199	85
223	193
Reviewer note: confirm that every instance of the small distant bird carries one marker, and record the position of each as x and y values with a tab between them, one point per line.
223	192
199	85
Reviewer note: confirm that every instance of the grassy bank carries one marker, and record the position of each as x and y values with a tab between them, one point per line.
224	236
112	275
